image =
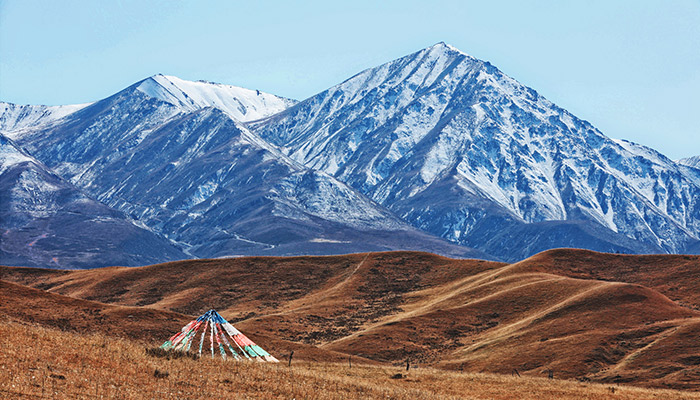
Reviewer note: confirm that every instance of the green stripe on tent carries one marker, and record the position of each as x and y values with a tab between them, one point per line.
250	351
260	351
220	329
222	351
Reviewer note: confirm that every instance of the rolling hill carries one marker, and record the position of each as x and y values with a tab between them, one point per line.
68	365
581	314
144	326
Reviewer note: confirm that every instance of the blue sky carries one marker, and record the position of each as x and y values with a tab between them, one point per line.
632	68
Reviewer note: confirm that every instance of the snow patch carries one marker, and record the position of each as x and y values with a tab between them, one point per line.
240	103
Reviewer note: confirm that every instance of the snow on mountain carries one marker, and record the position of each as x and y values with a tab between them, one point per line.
457	148
10	156
207	183
690	162
45	221
240	103
433	147
15	119
639	150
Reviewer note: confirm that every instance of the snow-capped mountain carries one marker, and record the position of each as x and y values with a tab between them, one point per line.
435	151
201	179
46	221
240	103
457	148
15	119
690	162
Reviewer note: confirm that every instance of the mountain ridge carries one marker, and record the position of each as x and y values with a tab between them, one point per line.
690	161
202	180
444	146
240	103
16	119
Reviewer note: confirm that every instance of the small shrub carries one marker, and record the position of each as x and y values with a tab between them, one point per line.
160	374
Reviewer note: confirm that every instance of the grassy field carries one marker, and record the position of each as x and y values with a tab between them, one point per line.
606	318
38	362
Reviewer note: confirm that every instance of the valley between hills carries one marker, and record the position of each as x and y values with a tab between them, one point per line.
587	317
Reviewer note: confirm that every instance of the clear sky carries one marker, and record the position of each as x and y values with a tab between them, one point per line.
632	68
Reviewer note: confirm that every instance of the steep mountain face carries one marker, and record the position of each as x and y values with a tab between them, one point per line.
201	179
456	148
46	221
16	119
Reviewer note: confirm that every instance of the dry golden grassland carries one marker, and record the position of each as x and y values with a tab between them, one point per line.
38	362
603	317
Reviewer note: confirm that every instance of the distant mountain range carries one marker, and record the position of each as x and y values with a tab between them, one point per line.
691	161
435	151
47	221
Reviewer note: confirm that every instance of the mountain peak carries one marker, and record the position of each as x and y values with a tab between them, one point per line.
446	48
240	103
440	127
438	139
439	45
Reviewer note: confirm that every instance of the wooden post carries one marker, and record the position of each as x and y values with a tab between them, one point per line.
350	361
290	358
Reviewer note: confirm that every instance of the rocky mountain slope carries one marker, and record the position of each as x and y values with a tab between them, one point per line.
434	151
198	177
46	221
457	148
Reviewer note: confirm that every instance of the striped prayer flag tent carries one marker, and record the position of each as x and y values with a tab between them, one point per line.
218	329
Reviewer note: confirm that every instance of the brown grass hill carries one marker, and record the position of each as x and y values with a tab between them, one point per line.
67	365
29	305
676	276
254	285
147	326
533	316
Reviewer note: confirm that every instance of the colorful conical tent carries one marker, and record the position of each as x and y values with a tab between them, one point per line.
218	329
